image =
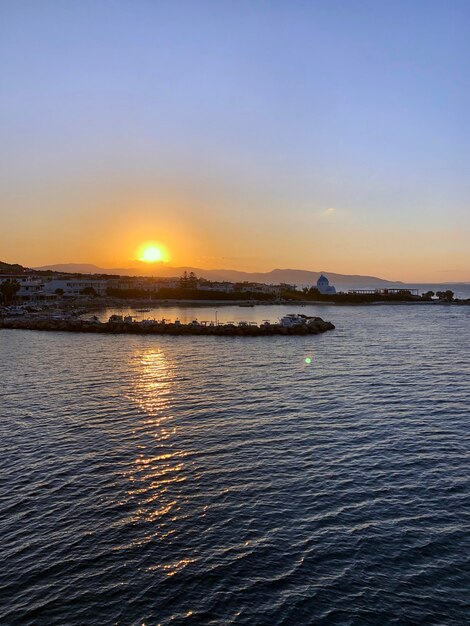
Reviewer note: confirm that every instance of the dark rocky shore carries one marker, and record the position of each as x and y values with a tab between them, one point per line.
315	326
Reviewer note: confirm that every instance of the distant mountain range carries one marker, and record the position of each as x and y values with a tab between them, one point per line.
300	278
276	276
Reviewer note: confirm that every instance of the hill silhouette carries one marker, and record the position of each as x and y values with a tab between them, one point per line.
276	276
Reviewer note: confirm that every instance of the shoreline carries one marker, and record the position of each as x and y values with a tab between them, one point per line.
100	304
90	305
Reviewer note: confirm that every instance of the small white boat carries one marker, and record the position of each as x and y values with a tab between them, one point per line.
293	319
15	310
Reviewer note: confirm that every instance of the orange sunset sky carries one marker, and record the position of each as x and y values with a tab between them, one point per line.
237	135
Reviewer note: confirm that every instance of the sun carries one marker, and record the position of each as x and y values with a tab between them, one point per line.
151	253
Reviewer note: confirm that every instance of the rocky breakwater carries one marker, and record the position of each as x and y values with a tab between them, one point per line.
304	326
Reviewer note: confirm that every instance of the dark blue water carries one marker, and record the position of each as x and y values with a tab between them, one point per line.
209	480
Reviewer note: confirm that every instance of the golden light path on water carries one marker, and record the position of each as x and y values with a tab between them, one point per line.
159	467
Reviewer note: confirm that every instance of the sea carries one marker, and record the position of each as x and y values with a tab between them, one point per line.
282	480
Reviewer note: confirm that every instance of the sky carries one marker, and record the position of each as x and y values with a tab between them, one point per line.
245	134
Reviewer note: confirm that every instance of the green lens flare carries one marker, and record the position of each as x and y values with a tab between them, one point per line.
308	360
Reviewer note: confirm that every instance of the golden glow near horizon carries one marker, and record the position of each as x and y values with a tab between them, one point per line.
152	253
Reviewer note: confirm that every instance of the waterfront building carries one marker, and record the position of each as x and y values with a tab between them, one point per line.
406	291
221	286
324	287
73	287
31	288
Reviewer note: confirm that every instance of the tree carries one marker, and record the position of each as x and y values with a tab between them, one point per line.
184	280
428	295
9	289
447	295
88	291
192	281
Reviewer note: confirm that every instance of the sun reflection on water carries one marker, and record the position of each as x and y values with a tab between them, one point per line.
152	388
155	474
171	569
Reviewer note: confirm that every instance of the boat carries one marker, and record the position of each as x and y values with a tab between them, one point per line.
114	319
15	310
292	319
298	319
246	305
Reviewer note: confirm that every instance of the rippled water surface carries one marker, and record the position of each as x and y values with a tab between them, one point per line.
219	480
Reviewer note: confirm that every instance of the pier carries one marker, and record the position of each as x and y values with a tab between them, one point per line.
298	325
403	291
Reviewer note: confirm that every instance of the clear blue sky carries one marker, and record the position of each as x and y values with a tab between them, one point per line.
324	135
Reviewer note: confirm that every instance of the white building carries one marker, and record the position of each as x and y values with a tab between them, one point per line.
75	286
259	288
324	287
226	287
130	283
31	288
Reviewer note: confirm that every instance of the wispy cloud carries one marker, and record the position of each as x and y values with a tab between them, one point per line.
230	258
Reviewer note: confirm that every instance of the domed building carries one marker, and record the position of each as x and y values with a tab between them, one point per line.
324	287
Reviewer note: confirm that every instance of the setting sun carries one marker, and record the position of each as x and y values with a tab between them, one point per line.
151	253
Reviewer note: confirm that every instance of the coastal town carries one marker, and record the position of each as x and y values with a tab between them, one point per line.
35	302
22	287
51	301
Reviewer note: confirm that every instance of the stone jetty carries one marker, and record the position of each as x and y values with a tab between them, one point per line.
310	326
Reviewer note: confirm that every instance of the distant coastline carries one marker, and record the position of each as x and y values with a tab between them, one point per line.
45	289
112	303
101	304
